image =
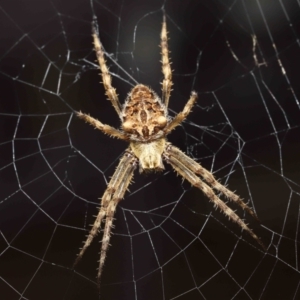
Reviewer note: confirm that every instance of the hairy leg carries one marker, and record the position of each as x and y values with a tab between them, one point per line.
187	174
116	181
103	127
208	177
166	67
106	78
110	212
183	114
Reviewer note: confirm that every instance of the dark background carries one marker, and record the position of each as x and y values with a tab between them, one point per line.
168	242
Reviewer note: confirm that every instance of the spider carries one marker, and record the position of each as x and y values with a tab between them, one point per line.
145	125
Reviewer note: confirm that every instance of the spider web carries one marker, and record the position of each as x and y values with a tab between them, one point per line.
169	242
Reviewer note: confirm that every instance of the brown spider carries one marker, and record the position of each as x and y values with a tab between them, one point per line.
145	124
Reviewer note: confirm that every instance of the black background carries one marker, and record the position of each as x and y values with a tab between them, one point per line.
245	128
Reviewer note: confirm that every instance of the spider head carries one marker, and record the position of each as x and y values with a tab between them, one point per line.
149	155
144	115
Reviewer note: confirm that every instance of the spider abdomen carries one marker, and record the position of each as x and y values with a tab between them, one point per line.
143	114
149	155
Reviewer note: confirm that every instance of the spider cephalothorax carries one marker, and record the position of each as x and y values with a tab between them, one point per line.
145	125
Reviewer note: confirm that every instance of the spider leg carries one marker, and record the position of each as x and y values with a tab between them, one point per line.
208	177
106	78
103	127
189	175
117	180
110	211
183	114
166	68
